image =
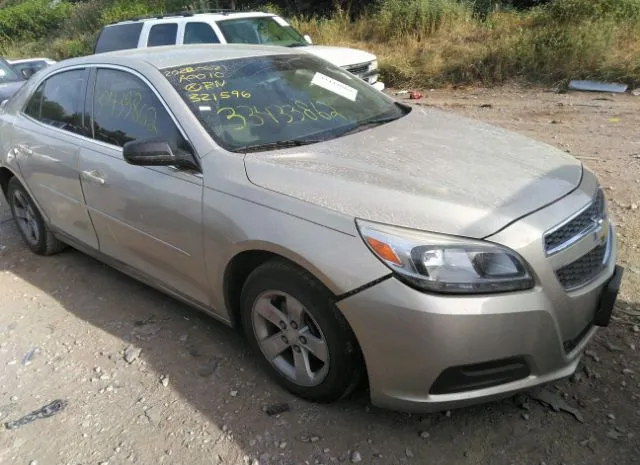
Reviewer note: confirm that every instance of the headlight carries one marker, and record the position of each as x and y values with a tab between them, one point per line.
373	65
446	264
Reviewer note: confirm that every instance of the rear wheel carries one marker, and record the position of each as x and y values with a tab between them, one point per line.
30	223
303	341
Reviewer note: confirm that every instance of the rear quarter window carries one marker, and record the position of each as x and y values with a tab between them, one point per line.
118	37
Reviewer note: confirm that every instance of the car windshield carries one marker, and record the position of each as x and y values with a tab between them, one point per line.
269	102
7	74
268	30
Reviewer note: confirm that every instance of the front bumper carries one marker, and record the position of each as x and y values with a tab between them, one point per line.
411	340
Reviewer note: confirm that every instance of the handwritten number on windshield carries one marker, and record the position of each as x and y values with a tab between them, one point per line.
252	114
233	115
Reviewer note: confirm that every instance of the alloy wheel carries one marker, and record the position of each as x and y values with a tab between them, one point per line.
290	338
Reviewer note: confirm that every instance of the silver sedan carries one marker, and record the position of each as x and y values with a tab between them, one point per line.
353	238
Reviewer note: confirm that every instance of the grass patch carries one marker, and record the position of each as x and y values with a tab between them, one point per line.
418	42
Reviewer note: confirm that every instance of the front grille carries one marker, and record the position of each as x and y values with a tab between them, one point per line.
358	70
577	226
584	269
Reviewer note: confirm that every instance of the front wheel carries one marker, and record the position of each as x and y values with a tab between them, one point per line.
303	340
31	225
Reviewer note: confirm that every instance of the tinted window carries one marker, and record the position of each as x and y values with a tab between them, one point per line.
119	37
126	109
59	101
200	33
33	107
162	34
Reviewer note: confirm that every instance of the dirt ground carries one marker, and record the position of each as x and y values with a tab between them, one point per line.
75	317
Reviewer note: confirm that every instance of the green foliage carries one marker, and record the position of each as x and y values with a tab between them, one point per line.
32	19
421	18
577	11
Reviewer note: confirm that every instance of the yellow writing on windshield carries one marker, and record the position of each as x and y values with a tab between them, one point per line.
206	85
216	96
246	116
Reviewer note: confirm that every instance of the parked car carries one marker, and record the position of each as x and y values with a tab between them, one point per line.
30	65
351	236
10	81
230	27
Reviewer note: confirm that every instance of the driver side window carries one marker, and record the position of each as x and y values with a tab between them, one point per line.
126	109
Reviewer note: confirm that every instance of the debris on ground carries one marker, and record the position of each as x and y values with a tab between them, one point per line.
131	353
486	105
277	409
356	457
402	92
43	412
598	86
415	95
164	380
635	92
554	401
28	357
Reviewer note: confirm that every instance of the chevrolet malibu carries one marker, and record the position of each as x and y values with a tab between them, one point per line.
353	238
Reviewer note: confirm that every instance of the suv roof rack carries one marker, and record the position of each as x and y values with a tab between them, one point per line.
184	13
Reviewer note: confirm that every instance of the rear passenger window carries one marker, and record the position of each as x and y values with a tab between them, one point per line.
200	33
162	34
126	109
59	101
118	37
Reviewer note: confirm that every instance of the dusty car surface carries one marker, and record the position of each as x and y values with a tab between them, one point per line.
444	261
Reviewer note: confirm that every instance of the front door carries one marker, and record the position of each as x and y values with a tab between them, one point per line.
147	218
46	138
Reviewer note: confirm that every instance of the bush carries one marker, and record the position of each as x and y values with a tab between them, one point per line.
577	11
418	18
32	19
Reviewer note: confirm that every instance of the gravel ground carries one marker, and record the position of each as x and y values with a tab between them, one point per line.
150	381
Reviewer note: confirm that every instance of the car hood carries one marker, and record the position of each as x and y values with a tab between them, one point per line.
9	88
430	170
340	56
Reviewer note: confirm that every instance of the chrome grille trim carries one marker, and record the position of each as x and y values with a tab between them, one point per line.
577	226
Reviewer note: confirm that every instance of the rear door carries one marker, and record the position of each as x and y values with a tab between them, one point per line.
199	32
149	218
47	135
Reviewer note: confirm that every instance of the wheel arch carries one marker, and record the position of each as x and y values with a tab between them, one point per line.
240	266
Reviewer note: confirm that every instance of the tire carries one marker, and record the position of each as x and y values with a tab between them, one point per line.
293	292
31	225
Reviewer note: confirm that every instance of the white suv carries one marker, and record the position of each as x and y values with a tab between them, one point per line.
230	28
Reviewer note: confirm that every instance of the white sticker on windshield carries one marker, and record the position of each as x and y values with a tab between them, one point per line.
334	86
205	108
280	21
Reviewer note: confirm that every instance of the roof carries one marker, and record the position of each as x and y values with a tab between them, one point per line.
178	55
190	17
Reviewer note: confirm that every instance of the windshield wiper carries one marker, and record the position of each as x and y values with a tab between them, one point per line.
366	124
297	45
280	144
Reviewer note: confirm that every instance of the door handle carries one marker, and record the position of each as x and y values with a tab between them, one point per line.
24	149
93	176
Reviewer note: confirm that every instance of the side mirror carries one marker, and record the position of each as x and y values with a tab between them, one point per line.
307	37
27	72
156	152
